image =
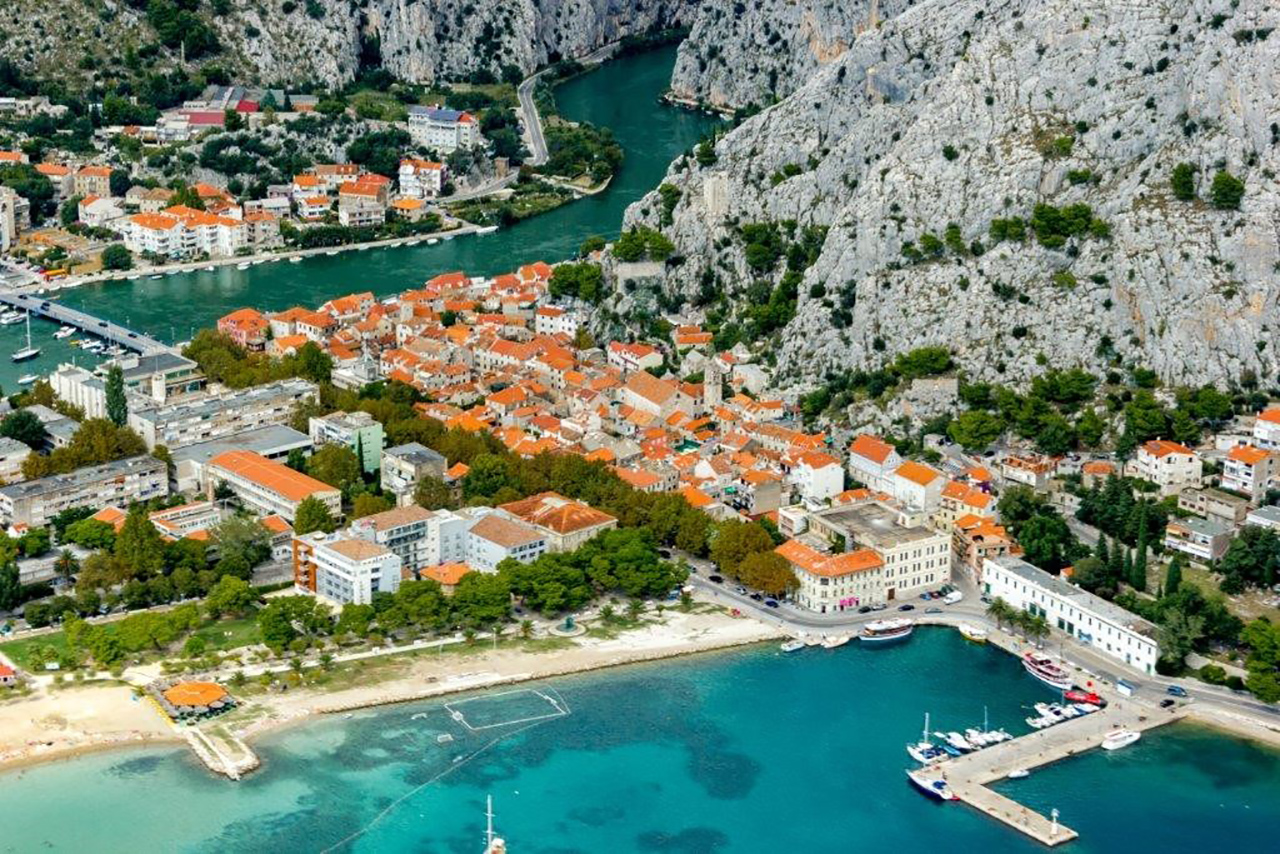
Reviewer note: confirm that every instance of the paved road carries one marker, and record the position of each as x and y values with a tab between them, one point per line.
529	111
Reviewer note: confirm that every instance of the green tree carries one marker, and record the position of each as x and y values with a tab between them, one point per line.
1226	191
336	465
10	587
1173	575
974	429
367	504
25	427
767	572
231	595
1001	611
243	538
139	546
117	257
117	406
313	515
734	541
1183	181
432	493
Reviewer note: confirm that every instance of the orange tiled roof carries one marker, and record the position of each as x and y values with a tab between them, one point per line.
279	478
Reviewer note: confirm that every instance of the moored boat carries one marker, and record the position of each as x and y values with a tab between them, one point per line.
792	645
1120	738
1047	670
65	332
973	633
883	631
28	379
834	641
931	786
1017	774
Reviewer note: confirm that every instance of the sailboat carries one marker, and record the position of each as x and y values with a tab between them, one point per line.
493	843
27	352
925	751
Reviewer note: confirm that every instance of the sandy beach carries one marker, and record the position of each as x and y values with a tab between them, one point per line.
53	724
74	720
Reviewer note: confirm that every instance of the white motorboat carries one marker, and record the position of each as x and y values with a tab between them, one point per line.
10	318
1120	738
296	259
27	352
973	633
332	252
834	641
65	332
243	266
883	631
28	379
156	276
933	787
958	741
210	269
431	241
488	229
1047	670
792	645
1017	774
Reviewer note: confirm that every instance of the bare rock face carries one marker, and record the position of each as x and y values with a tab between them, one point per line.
954	114
752	52
426	40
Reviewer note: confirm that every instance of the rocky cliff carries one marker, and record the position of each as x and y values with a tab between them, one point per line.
957	114
322	40
740	54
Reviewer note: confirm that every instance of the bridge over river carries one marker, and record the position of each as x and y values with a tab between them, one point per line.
113	333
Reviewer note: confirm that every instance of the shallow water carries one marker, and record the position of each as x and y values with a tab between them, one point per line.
747	751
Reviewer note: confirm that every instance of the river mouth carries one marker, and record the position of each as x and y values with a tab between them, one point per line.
622	94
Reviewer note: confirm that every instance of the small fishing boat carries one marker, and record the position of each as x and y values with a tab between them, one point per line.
210	269
1017	774
243	266
792	645
834	641
1120	738
156	276
488	229
65	332
934	788
973	633
332	252
296	259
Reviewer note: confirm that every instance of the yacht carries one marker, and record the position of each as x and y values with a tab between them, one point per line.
1120	738
65	332
884	631
1047	670
934	788
792	645
925	751
973	633
27	352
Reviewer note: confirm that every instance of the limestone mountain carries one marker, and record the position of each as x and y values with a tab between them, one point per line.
1027	182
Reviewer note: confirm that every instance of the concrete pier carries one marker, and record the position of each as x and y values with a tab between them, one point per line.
968	776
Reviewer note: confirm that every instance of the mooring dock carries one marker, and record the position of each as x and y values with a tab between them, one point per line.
968	776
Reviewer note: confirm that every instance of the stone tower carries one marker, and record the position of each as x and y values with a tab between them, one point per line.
712	382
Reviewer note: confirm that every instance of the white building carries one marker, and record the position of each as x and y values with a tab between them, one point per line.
633	357
1249	470
493	538
819	477
1266	429
915	557
872	462
1169	465
565	523
403	530
917	486
550	320
421	179
215	416
834	583
123	482
344	569
442	130
1204	540
359	431
267	486
1103	625
12	455
404	466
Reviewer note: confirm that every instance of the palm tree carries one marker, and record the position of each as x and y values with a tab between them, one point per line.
526	629
1000	611
1036	626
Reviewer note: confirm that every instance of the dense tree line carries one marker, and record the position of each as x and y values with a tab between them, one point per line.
224	361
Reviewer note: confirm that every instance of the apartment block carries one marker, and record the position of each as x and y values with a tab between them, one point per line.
215	416
358	431
267	486
35	502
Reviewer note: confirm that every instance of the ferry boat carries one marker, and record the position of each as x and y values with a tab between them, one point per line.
1047	670
793	645
65	332
1120	738
934	788
834	641
973	633
884	631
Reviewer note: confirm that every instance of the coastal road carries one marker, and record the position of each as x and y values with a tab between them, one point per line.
529	110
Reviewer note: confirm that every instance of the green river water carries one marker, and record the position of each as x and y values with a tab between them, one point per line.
622	95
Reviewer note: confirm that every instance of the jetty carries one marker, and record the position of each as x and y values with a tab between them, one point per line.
969	776
115	333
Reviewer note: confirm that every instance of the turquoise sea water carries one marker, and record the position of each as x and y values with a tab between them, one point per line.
747	751
621	95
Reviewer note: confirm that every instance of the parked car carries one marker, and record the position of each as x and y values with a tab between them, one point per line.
1176	691
906	607
757	597
925	595
865	609
879	606
1164	704
740	589
771	603
716	579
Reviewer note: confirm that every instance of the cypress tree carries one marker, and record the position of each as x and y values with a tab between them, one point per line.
1138	576
1100	551
1117	563
1126	569
1173	576
117	406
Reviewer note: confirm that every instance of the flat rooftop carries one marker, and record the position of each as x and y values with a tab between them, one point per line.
873	525
268	441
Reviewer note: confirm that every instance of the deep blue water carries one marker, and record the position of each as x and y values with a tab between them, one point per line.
748	751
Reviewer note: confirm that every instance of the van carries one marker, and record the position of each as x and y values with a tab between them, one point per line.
952	598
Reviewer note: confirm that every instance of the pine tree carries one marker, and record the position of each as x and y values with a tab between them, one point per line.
117	406
1173	576
1100	551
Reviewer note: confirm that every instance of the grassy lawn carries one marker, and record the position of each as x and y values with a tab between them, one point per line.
1247	606
20	650
229	634
503	93
369	103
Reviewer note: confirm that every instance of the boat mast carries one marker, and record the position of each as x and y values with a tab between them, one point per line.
924	736
488	834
